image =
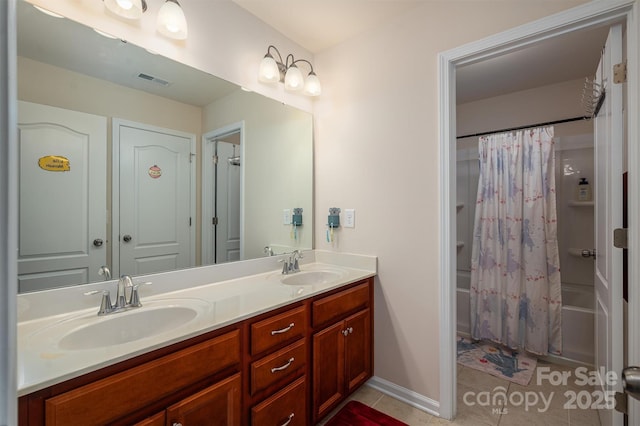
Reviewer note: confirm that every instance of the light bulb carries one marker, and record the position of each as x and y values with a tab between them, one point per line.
129	9
312	85
171	21
293	79
269	72
125	4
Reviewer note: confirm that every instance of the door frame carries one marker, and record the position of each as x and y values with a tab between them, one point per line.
8	212
207	186
581	17
115	188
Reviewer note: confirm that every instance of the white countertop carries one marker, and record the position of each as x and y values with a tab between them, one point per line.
42	363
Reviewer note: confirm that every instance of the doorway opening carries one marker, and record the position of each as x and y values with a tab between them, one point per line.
531	35
222	177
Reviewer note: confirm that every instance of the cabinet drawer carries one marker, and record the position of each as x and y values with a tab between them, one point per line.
287	407
274	367
274	331
332	308
113	397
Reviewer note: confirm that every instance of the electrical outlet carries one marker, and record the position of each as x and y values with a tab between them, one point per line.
349	218
286	217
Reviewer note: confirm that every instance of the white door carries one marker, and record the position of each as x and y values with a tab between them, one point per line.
155	199
608	129
227	198
62	187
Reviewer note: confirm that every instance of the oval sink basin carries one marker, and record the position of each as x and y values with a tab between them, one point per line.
311	277
152	319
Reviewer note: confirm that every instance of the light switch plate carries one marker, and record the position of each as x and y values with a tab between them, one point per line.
286	217
349	218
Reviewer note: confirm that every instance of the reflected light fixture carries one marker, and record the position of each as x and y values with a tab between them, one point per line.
171	21
273	71
128	9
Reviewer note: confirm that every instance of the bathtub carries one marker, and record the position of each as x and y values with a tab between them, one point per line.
577	320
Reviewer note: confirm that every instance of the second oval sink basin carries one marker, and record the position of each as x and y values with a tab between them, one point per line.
152	319
311	277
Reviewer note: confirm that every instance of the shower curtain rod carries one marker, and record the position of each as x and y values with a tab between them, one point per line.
548	123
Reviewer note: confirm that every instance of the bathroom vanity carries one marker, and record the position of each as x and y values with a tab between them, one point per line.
288	365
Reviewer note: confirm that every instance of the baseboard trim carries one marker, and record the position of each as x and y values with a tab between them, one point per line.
405	395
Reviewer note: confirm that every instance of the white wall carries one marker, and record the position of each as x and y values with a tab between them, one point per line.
377	152
375	141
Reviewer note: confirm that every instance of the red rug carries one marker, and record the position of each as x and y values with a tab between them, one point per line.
355	413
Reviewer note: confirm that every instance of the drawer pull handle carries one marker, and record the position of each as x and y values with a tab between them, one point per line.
288	421
284	367
282	330
177	424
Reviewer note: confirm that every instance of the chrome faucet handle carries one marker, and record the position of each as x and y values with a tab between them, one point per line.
134	300
285	266
105	302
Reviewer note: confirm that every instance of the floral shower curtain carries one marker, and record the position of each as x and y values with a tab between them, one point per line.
515	269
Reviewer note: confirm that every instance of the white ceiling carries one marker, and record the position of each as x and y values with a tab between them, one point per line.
318	25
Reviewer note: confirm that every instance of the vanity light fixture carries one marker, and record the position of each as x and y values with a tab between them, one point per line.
128	9
273	71
171	21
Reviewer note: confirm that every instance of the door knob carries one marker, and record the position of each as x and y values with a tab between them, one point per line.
631	381
98	242
126	238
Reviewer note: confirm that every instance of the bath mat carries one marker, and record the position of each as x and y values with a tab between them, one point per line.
496	360
355	413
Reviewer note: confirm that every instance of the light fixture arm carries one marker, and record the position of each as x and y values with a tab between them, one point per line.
286	71
303	60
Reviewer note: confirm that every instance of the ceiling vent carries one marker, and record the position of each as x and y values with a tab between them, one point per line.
153	79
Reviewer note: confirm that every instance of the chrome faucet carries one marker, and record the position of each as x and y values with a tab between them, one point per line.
124	283
122	302
104	270
291	265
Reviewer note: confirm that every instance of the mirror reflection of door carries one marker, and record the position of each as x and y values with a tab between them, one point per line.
62	209
222	171
154	197
227	199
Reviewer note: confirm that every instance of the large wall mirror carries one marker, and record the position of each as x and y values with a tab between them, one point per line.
131	163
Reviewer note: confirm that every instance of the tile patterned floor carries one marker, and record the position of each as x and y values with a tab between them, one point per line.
472	382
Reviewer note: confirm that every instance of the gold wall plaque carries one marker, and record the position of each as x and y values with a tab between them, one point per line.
54	163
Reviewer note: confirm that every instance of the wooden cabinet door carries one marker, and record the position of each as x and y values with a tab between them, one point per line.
358	349
328	368
217	405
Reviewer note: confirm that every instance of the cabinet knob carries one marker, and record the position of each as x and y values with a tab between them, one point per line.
345	333
350	330
177	424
